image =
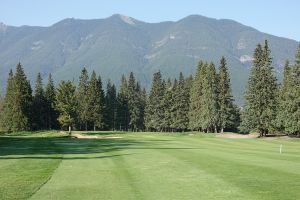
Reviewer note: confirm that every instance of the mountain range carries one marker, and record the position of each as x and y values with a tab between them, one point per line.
119	44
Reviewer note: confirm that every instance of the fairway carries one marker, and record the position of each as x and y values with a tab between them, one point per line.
154	166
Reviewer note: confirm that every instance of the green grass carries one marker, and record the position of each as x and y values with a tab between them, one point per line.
48	165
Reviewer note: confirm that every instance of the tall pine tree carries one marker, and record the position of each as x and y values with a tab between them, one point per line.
196	101
51	113
292	120
122	106
82	96
210	107
111	106
8	104
22	101
66	103
225	99
39	104
154	113
261	95
96	102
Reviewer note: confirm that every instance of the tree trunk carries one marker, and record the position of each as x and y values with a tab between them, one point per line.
85	126
70	130
222	130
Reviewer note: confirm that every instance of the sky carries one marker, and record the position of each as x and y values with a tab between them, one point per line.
277	17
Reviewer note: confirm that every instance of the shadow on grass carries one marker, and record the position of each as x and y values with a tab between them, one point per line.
73	148
49	147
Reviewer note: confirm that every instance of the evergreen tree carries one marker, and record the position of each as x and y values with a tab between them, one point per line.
111	106
180	105
51	113
261	95
8	104
210	107
196	101
154	113
96	102
167	104
39	104
132	102
66	103
122	106
135	104
22	101
82	96
292	120
284	97
225	99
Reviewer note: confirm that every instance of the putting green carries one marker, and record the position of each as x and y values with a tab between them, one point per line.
148	166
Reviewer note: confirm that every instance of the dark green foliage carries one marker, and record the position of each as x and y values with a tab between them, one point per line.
111	106
135	104
155	111
261	95
17	113
23	100
227	111
95	102
180	104
82	97
122	106
196	101
8	104
291	118
168	104
66	103
39	105
284	97
210	107
51	113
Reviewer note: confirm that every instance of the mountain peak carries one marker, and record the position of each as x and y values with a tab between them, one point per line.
125	19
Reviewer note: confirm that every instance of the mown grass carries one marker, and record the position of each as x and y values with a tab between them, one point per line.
49	165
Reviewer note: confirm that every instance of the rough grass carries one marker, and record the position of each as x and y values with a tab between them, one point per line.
163	166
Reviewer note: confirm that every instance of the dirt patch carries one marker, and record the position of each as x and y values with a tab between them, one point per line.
79	136
235	135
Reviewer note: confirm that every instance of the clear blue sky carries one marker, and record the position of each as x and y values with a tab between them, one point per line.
277	17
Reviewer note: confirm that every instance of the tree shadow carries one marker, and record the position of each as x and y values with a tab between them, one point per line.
50	147
75	148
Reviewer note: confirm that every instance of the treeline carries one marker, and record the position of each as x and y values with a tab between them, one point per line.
200	103
269	106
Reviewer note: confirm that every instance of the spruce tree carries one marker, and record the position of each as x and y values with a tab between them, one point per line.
210	109
132	102
39	104
225	99
196	101
167	104
261	94
82	96
154	113
66	103
180	105
22	103
284	97
111	106
8	104
51	113
122	106
292	122
96	102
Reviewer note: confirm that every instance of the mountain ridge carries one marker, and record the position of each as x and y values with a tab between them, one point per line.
119	44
